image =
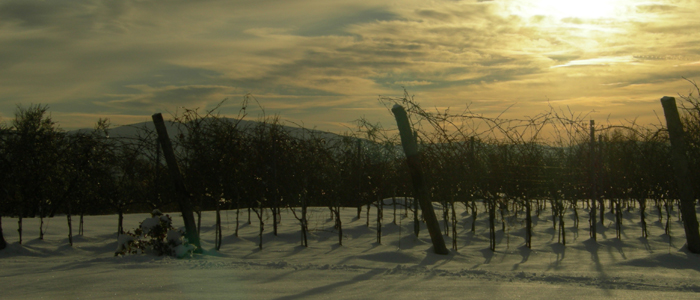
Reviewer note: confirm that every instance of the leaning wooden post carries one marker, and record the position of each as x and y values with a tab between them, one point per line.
682	172
3	243
594	180
183	197
416	220
414	165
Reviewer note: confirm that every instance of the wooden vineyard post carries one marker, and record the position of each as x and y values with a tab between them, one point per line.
682	172
183	197
414	165
416	220
594	187
3	243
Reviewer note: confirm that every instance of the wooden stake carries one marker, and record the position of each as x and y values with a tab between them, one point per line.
183	197
413	159
680	167
594	186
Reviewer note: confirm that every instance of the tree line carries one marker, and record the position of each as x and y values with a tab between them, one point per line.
505	167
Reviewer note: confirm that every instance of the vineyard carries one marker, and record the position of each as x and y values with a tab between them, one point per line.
508	171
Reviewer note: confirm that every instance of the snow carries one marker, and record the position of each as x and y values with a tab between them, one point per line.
123	242
182	250
174	236
149	223
156	219
399	201
403	266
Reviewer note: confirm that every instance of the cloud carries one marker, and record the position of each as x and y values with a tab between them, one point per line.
317	60
655	8
150	98
412	83
27	13
336	24
600	61
433	14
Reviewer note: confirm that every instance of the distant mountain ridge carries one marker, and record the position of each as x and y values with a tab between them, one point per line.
175	129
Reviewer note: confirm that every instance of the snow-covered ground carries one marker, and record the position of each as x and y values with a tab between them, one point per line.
402	267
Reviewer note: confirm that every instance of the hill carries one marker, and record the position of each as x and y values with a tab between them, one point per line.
136	130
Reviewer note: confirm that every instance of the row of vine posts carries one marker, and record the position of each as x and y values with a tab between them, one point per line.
508	166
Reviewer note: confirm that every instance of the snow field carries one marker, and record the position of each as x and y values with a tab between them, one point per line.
402	266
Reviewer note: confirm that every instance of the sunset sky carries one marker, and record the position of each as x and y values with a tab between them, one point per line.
325	63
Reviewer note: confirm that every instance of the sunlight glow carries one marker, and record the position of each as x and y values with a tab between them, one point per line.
590	9
600	61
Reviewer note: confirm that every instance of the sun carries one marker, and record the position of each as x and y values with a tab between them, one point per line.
587	9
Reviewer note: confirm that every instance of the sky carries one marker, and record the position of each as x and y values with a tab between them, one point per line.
324	63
